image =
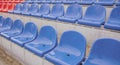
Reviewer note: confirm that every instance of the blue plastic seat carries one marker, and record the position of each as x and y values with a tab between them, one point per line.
57	1
30	1
118	3
15	30
70	1
104	52
28	35
46	1
24	8
39	1
105	2
73	13
27	1
57	11
44	43
7	24
86	2
114	19
1	21
32	9
70	51
17	9
44	9
95	16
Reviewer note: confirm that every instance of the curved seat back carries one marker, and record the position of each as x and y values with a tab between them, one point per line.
118	0
34	8
57	10
5	7
115	16
11	6
74	40
106	0
7	23
24	7
44	9
95	12
30	29
74	11
49	33
58	1
2	6
17	7
105	50
89	0
1	21
17	26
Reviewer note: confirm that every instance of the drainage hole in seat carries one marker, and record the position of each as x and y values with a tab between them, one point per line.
43	45
68	54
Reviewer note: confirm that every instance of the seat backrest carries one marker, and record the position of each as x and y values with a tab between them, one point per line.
106	48
59	0
69	0
22	1
30	29
57	10
44	9
118	0
33	0
73	39
48	0
89	0
28	0
6	5
7	22
40	0
115	15
0	5
74	11
49	33
18	7
34	7
25	7
12	6
106	0
3	4
95	12
17	25
1	20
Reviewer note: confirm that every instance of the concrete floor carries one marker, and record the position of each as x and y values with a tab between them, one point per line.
5	59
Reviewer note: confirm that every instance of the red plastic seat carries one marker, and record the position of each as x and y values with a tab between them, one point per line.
22	1
8	6
1	1
17	1
11	1
5	8
11	7
2	6
5	1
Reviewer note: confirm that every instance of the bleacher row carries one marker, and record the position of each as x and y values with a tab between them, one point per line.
95	15
11	1
33	47
8	5
82	2
73	14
